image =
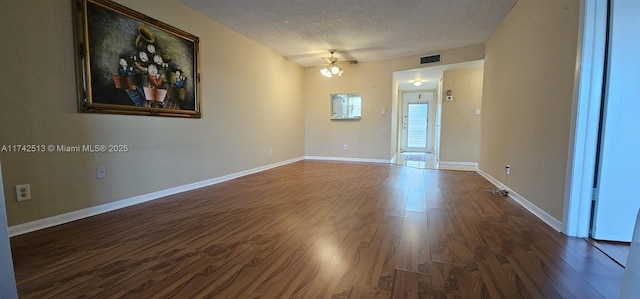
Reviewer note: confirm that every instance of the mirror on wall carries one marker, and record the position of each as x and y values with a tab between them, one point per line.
346	106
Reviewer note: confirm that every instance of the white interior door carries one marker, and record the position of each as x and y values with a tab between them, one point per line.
416	131
617	199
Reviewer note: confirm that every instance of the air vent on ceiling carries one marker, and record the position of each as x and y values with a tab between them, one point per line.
430	59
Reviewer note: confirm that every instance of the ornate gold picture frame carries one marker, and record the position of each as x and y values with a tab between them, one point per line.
129	63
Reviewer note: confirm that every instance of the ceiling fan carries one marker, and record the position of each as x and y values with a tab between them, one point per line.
331	68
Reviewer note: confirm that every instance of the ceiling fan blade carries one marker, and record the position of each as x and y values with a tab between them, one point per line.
334	60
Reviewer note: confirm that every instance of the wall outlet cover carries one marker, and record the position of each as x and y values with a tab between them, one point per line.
23	192
101	172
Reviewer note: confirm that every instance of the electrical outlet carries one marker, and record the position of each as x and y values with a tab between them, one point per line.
508	169
23	192
101	172
346	147
270	152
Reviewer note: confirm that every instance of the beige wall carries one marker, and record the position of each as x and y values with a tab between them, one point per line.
528	88
251	102
367	138
460	127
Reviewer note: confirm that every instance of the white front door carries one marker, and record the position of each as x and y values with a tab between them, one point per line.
415	122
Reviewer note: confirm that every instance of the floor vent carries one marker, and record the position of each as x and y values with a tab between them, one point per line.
430	59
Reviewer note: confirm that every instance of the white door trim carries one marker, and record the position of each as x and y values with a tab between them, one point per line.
7	276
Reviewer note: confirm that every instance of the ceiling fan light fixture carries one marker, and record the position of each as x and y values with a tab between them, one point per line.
332	68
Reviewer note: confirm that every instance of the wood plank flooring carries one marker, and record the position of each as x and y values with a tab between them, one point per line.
316	229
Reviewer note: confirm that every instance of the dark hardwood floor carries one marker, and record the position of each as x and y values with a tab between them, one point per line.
317	229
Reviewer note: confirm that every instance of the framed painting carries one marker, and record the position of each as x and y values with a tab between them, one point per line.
129	63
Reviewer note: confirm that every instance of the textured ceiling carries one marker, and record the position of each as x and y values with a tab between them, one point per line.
364	30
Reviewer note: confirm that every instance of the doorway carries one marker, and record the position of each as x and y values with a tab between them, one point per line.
424	150
605	104
417	122
417	129
616	201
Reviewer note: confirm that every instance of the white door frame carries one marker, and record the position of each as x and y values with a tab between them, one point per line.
7	276
585	118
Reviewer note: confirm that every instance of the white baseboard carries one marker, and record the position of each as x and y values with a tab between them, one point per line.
92	211
348	159
454	165
544	216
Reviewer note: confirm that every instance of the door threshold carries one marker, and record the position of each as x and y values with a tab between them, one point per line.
617	251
